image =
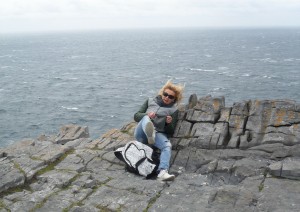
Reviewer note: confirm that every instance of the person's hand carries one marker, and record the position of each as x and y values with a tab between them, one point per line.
168	119
151	115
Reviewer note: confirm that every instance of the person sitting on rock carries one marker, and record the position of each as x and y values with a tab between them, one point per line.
157	119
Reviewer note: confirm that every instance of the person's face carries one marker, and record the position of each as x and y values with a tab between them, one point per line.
168	96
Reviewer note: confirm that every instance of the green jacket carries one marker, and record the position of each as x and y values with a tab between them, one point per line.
169	128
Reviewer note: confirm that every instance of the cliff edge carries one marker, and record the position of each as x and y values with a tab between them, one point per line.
240	158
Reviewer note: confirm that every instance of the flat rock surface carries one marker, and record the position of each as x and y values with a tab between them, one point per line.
242	158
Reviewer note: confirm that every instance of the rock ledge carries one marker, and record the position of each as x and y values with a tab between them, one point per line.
240	158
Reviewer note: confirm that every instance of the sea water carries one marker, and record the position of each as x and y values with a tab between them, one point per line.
100	79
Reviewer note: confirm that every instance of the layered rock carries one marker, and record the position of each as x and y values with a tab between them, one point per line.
240	158
251	123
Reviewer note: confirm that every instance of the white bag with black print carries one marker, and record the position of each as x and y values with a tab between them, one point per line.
139	158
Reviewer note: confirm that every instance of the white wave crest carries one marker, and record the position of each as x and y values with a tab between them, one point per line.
204	70
289	60
69	108
269	60
7	55
195	69
209	70
223	68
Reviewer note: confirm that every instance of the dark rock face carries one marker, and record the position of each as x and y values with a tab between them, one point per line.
240	158
251	123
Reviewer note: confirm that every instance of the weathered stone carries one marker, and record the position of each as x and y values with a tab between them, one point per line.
137	185
288	168
129	128
58	179
291	169
279	195
260	108
234	142
192	101
240	108
244	140
183	143
195	160
78	143
295	129
107	198
202	130
19	201
210	104
29	166
201	142
97	165
281	117
85	208
275	168
231	198
85	180
190	193
225	166
291	133
182	157
200	116
257	123
88	154
220	136
183	129
235	154
10	175
19	148
297	107
41	190
268	147
64	199
182	115
71	132
295	151
237	124
278	138
281	153
208	168
225	114
207	110
248	167
48	152
72	162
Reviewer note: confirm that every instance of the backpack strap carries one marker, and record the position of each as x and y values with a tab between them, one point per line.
119	155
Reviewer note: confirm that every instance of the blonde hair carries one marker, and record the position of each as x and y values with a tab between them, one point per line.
177	89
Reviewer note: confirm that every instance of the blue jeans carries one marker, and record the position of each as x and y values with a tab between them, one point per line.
161	142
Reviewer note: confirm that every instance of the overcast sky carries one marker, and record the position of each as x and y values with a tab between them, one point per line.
48	15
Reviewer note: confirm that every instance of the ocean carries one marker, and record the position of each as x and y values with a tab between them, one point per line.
100	79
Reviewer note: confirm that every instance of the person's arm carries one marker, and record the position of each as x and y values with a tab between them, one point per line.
142	112
169	128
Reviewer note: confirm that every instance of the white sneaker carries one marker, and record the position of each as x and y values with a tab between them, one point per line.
150	132
165	176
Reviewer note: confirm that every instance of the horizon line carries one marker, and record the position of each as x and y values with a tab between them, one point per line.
54	31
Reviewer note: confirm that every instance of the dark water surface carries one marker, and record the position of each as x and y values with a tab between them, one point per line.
100	79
